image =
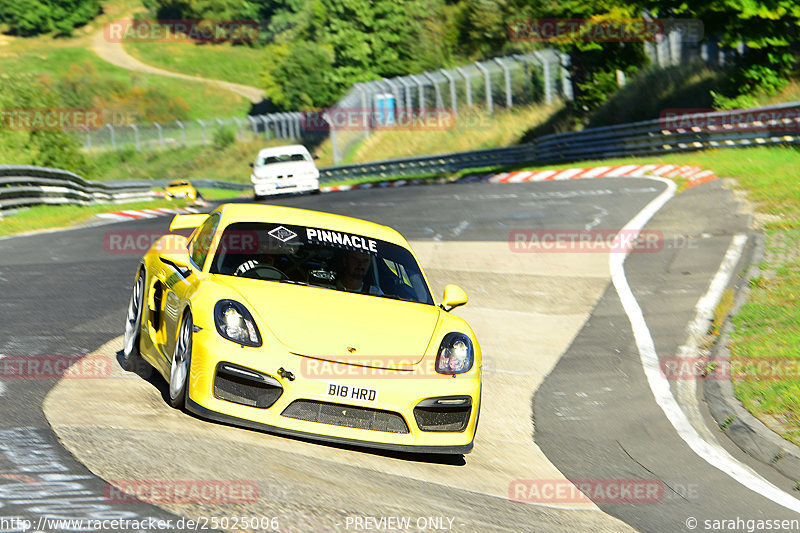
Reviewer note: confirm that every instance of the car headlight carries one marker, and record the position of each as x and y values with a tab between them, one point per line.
456	354
235	323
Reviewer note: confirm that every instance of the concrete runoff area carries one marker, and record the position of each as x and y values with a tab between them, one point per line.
525	319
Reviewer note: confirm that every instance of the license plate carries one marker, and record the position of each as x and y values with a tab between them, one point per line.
352	392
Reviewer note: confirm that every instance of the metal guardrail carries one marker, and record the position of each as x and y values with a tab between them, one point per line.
431	164
23	186
721	129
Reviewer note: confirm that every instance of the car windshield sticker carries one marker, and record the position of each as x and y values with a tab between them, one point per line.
342	239
282	234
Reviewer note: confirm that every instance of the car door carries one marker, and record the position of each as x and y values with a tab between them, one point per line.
176	282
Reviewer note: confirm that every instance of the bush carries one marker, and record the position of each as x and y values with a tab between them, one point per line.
223	137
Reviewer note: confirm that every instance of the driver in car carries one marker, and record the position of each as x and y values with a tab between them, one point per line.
354	270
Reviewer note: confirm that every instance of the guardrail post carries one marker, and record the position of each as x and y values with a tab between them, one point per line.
364	115
436	90
160	134
203	129
136	137
489	103
548	90
507	73
113	137
421	89
452	91
265	122
468	85
183	131
253	122
88	141
238	128
407	93
566	82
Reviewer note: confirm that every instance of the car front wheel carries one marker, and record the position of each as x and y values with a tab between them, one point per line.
181	364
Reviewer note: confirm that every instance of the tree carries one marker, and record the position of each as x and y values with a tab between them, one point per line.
768	29
34	17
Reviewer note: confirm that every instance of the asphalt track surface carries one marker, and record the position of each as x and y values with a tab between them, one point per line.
593	416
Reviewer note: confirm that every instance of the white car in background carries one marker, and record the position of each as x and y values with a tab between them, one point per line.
284	169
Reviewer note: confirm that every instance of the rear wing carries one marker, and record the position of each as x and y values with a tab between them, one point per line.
187	221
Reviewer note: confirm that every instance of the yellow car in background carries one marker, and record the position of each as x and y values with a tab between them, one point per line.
179	189
306	324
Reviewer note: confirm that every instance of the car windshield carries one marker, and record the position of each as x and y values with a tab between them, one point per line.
319	257
282	158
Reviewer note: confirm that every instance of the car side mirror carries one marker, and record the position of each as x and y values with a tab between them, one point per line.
174	252
251	164
454	296
316	157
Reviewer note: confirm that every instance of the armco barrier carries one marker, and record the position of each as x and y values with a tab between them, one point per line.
432	164
22	186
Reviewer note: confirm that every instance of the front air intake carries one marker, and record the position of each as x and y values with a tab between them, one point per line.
241	385
349	416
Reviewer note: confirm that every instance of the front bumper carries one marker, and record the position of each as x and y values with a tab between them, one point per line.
286	185
397	393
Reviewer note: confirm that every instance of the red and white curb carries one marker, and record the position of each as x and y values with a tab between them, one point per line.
135	214
694	174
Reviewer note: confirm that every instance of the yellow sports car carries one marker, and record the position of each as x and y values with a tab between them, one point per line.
180	189
306	324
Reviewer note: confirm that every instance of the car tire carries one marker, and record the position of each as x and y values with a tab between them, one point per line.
180	368
131	355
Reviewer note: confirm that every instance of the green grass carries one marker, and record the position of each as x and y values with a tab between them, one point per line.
42	217
767	330
217	195
237	64
53	57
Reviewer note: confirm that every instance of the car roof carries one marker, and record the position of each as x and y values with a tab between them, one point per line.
281	150
232	213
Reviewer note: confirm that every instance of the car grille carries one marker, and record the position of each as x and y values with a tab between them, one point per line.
245	386
346	415
431	415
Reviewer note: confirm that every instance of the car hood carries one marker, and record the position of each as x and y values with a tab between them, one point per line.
339	326
281	169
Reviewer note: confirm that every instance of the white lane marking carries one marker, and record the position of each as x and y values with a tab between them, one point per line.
704	313
460	228
597	219
713	454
